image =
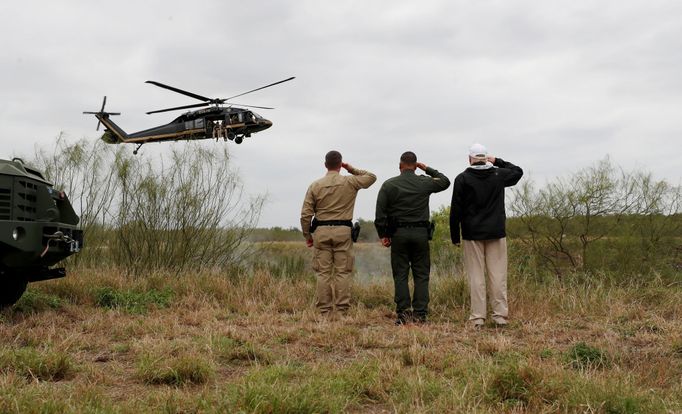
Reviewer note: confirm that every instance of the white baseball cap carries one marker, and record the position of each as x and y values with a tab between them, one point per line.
478	151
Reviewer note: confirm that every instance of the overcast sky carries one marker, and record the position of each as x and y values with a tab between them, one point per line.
552	86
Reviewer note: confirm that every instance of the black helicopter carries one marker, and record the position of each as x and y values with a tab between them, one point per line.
217	121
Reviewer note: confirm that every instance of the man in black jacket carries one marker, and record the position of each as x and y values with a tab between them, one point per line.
478	208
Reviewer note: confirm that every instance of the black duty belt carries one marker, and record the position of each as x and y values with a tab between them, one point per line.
424	224
348	223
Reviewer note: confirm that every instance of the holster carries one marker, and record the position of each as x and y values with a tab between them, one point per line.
432	229
313	225
355	232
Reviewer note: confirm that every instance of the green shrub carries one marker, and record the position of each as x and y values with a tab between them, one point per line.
36	301
133	301
583	356
42	365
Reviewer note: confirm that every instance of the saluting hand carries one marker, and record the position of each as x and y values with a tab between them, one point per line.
422	166
491	159
347	166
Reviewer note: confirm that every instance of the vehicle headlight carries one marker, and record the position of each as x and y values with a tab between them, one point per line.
18	233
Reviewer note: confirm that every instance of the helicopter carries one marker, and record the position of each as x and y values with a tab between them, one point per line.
229	122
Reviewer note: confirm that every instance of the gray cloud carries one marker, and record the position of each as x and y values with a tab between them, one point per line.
553	86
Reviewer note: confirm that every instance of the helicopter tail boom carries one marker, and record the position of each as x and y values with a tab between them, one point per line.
114	134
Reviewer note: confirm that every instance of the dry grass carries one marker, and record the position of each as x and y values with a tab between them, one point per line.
98	341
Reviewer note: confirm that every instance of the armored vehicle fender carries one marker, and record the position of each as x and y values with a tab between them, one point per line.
38	228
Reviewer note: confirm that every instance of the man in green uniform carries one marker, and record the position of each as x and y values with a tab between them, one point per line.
331	200
402	221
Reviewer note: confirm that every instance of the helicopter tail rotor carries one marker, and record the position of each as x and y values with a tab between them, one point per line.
102	113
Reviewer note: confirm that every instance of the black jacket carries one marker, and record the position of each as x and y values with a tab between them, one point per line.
478	201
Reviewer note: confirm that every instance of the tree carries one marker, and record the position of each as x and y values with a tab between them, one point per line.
144	214
563	221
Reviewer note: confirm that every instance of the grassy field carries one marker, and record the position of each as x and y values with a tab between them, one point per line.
249	341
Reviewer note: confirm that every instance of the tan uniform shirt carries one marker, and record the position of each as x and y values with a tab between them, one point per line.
332	197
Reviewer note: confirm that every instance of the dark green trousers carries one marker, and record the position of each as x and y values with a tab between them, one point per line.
410	250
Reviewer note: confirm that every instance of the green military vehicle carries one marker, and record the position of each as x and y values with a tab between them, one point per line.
38	228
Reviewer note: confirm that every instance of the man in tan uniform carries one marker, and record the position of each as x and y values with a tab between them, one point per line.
331	200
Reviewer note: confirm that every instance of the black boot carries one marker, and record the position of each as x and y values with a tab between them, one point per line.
404	317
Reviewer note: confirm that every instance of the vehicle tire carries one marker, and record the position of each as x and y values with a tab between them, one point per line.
12	286
239	140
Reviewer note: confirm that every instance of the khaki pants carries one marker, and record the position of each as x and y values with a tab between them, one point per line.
490	255
333	264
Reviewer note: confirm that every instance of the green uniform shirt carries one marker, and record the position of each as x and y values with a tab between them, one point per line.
405	198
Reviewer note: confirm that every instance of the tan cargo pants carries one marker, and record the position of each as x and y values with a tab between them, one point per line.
333	264
490	255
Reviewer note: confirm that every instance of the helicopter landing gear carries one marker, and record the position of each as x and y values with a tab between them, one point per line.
231	136
239	139
137	149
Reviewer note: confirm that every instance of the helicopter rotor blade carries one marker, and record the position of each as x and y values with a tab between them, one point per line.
180	91
262	87
250	106
99	122
199	105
